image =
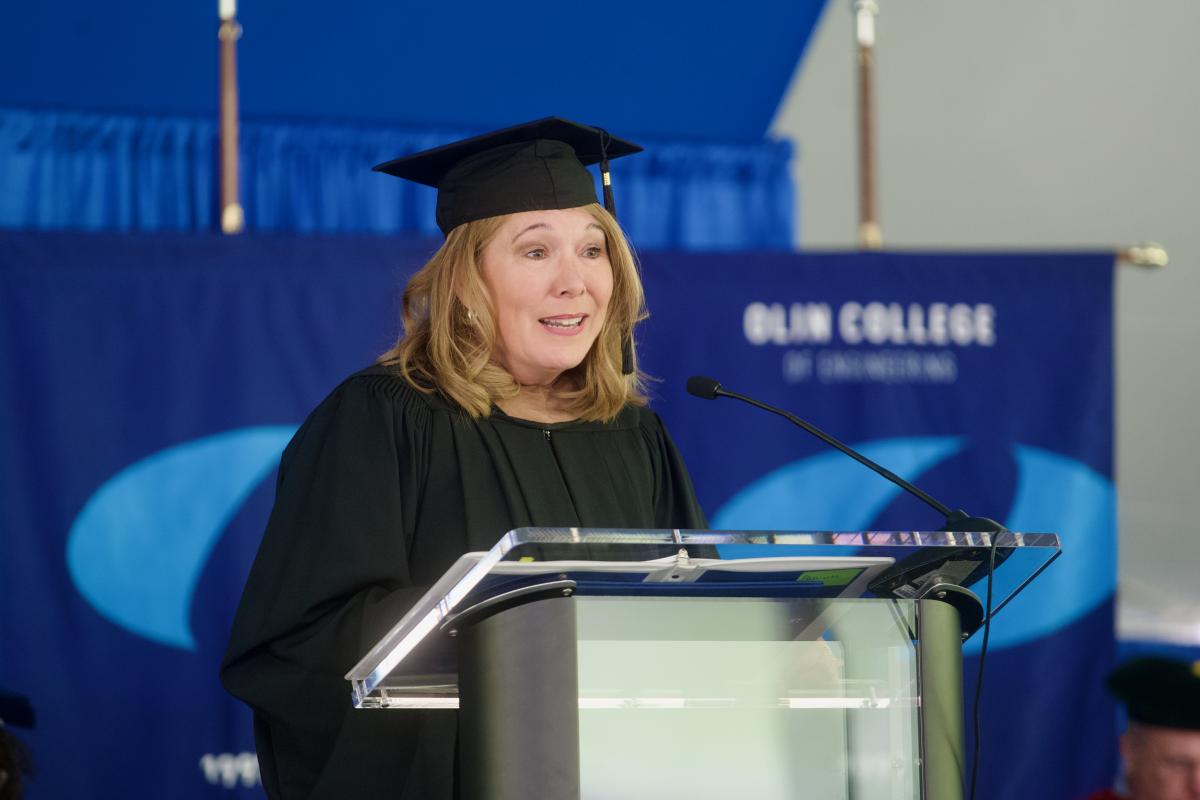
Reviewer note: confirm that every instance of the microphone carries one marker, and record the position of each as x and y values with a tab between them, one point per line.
956	520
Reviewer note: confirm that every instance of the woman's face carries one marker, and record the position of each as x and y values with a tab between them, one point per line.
550	279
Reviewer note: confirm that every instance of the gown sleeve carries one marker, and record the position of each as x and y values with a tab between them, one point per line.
675	503
331	575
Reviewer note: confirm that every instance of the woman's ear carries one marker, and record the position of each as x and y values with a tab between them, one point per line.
472	299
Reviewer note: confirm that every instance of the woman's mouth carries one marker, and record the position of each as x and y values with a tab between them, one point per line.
563	324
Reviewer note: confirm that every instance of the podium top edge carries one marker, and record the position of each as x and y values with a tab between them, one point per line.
566	535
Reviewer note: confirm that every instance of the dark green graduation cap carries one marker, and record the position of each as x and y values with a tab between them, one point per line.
1159	691
531	167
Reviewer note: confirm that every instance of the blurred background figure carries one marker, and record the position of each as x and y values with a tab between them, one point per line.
1160	749
15	763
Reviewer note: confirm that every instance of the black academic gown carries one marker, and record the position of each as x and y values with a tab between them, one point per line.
379	492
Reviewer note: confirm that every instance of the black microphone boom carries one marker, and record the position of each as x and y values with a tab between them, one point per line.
710	389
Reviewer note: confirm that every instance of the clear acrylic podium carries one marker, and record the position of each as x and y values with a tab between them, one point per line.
593	663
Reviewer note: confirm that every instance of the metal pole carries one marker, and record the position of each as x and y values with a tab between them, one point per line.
232	217
939	658
870	236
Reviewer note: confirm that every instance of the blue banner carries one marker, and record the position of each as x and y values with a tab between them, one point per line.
151	382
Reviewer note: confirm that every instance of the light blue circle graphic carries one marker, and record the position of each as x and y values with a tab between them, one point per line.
137	548
1054	494
830	491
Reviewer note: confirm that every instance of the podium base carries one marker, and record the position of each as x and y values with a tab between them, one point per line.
519	705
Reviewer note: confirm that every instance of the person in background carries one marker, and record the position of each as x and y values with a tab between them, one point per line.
513	399
1160	749
15	763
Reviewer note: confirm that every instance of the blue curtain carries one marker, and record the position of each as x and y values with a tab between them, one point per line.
125	173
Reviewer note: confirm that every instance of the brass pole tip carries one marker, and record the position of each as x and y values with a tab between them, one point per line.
870	236
1146	254
233	220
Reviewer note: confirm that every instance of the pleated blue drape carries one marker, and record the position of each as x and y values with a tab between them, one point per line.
67	170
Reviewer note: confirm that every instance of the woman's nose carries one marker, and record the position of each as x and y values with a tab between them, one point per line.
569	280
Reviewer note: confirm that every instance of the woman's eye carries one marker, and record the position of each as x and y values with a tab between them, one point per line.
594	251
536	253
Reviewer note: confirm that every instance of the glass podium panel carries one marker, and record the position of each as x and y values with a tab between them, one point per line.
793	697
415	663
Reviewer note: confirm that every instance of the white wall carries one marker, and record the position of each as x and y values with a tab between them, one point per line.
1044	124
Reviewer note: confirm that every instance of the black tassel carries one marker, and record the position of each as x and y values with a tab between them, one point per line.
610	205
606	179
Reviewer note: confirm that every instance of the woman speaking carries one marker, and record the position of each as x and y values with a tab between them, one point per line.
512	399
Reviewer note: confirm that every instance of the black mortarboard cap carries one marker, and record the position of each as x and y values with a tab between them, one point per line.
531	167
15	710
1159	691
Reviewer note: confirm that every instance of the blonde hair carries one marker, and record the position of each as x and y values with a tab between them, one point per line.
448	349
